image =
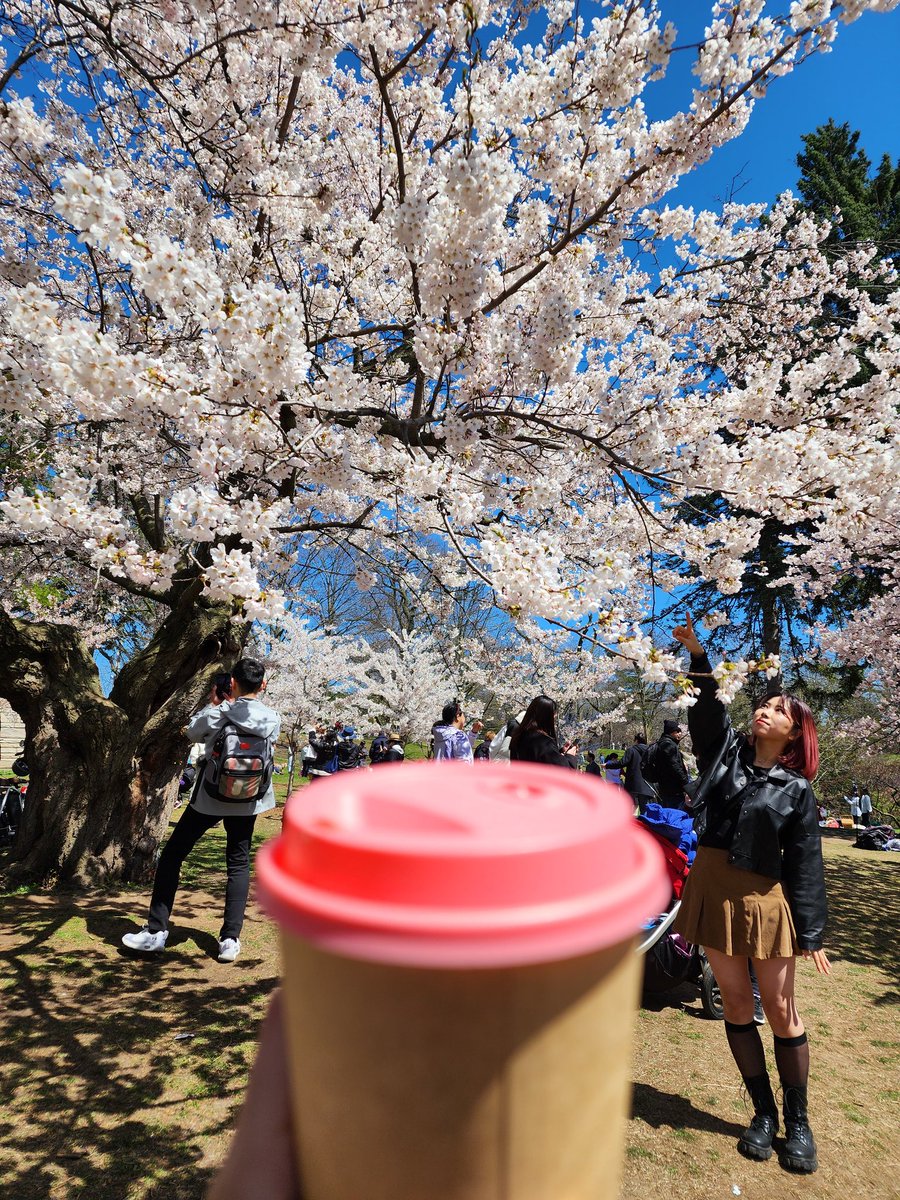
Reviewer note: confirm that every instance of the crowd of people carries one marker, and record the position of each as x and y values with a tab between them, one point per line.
755	894
648	773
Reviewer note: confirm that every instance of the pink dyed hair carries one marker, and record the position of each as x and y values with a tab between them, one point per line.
801	754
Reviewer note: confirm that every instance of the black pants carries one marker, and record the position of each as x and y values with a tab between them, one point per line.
676	800
641	800
185	835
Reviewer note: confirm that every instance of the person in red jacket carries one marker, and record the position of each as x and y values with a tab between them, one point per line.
757	890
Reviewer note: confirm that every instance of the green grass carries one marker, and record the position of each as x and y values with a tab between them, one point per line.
101	1100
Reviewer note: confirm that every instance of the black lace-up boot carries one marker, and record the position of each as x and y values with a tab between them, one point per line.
756	1140
798	1153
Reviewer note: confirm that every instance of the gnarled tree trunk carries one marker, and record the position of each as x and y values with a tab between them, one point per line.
104	770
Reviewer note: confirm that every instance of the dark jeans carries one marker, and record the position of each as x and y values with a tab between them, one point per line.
673	801
185	835
641	799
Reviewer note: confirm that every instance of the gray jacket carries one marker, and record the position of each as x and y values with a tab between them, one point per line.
250	716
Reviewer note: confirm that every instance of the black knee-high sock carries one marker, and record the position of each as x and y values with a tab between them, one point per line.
792	1057
747	1048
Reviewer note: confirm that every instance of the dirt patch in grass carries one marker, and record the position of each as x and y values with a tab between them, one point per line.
120	1074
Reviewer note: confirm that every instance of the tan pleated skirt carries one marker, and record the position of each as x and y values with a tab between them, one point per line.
734	911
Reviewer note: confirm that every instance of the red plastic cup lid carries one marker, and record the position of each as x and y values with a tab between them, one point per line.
453	865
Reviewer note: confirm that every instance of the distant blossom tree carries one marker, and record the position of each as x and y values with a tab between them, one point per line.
309	672
276	275
402	682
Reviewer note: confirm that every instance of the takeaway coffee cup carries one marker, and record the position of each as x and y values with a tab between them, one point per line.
460	980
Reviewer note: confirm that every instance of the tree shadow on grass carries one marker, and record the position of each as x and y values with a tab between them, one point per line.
100	1095
682	996
864	915
658	1108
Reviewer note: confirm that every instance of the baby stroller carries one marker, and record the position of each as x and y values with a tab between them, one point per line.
669	960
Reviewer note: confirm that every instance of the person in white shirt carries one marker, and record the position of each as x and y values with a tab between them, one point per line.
865	808
853	801
307	754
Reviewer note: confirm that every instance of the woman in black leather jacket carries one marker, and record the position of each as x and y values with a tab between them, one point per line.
757	890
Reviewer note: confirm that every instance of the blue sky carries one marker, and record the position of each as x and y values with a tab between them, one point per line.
856	82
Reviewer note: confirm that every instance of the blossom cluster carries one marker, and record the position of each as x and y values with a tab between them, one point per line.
389	275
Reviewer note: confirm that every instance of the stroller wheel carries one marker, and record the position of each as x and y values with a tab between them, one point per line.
710	996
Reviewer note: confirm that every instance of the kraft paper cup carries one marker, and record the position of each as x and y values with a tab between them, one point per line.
461	980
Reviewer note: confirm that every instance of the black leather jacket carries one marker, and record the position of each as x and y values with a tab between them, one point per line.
777	830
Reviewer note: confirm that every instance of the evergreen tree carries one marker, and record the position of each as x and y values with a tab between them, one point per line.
836	173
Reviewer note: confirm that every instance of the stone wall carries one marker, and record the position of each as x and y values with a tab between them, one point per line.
12	734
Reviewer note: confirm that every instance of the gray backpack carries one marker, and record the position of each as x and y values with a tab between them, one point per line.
239	768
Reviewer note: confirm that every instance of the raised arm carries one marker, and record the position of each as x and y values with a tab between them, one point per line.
206	721
707	719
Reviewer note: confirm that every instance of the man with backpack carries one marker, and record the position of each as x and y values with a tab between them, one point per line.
637	787
234	785
663	767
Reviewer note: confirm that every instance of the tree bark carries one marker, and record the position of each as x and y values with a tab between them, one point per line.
104	770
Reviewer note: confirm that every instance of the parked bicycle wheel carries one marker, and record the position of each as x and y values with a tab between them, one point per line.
710	996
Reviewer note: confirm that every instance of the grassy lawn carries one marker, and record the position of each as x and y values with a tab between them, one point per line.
120	1076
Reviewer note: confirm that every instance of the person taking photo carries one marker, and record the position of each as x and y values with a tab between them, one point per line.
258	725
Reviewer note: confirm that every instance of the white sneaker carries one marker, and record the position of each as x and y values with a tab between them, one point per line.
145	940
229	949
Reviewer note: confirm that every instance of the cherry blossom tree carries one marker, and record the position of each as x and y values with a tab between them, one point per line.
402	683
275	276
309	672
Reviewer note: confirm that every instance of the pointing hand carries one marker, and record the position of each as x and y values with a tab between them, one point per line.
685	634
